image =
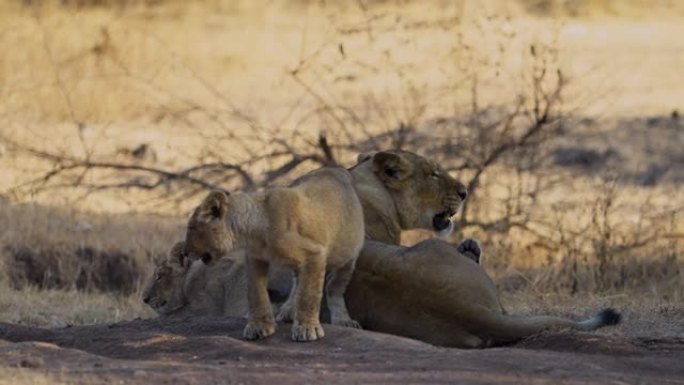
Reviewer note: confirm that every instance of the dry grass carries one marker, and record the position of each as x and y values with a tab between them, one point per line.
50	296
19	376
53	308
43	248
213	81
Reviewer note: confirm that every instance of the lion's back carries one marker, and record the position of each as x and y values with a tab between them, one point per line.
324	199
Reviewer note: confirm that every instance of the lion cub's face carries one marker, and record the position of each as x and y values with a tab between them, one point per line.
208	235
423	192
164	291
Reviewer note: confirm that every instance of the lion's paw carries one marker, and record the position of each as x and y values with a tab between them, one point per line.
304	333
471	249
258	330
348	323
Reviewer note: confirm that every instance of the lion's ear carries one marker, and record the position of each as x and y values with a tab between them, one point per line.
364	157
214	206
391	167
178	255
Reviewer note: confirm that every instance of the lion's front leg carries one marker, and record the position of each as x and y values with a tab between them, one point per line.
335	289
260	323
307	325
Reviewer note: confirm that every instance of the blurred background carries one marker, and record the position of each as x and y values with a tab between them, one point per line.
563	117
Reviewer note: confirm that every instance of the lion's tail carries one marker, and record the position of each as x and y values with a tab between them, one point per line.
506	328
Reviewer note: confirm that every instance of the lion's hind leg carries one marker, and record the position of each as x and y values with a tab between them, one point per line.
306	324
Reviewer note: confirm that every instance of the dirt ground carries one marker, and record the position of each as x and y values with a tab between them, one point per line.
210	350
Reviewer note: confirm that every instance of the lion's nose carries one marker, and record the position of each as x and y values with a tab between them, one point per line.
462	191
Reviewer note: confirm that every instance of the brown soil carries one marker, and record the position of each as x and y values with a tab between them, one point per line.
210	350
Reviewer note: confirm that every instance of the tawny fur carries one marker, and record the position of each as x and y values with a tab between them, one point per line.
313	227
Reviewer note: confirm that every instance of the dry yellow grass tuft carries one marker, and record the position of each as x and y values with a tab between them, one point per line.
52	308
19	376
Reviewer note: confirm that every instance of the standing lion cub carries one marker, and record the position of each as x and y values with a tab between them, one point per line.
313	226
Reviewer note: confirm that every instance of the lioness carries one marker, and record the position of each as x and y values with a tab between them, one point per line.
430	291
313	226
179	287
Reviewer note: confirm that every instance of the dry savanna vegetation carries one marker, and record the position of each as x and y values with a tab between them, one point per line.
562	117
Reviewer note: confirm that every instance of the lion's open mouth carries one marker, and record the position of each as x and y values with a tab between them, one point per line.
442	220
164	308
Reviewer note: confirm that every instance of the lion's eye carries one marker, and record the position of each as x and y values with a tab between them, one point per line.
157	277
435	175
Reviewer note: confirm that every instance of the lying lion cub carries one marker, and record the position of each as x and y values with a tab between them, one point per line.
181	288
312	226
